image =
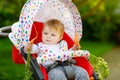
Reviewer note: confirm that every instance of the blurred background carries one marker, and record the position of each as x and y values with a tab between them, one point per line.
101	32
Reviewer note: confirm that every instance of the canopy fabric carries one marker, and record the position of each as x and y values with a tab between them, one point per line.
41	11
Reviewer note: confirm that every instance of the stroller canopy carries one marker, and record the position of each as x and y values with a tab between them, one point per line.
41	11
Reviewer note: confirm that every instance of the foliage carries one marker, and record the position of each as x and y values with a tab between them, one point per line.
96	48
101	30
100	66
8	69
28	72
9	11
100	18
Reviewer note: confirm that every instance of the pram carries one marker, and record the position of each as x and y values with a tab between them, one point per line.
33	14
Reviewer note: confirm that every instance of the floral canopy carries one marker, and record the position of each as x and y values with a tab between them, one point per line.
41	11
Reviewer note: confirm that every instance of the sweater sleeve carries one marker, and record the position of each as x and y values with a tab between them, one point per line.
63	45
45	57
62	56
78	53
35	49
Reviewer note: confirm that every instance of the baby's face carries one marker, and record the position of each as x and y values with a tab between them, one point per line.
50	36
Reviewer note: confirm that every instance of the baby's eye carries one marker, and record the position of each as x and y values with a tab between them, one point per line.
53	35
45	33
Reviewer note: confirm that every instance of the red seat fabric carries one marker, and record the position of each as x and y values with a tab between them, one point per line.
16	56
44	72
84	63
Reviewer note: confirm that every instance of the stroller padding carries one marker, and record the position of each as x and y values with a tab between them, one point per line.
84	63
16	56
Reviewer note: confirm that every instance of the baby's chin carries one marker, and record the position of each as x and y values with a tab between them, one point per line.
49	43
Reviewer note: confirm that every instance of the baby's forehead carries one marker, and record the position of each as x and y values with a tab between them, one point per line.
51	28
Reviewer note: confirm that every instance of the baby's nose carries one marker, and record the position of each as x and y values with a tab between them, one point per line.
48	37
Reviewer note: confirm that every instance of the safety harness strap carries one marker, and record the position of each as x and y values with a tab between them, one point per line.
66	67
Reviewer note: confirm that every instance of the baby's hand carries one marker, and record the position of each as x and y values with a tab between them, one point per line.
28	47
76	47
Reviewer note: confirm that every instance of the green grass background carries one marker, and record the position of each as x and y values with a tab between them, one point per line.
11	71
97	48
8	69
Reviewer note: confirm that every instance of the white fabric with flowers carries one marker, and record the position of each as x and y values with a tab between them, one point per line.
49	53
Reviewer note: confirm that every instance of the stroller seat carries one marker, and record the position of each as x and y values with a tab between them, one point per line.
18	57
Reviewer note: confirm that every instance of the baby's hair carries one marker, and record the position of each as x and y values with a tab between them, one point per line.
56	25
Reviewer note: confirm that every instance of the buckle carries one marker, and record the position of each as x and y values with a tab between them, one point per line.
52	66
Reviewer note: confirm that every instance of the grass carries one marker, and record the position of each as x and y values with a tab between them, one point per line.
11	71
96	48
8	69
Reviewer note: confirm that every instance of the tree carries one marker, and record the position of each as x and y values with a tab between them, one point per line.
9	12
100	18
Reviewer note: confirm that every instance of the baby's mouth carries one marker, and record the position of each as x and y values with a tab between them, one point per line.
47	40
